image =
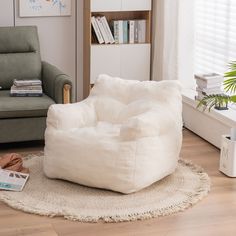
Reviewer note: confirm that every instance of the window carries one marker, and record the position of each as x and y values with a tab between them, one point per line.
215	34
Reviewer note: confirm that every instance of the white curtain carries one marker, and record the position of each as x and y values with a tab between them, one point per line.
173	41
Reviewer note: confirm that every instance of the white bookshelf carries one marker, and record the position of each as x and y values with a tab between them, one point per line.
131	61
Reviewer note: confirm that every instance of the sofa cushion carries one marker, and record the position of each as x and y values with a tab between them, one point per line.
19	54
19	107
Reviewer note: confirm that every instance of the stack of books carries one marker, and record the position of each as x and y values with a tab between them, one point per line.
120	32
129	31
26	88
208	84
102	30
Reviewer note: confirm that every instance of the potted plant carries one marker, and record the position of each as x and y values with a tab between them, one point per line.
220	101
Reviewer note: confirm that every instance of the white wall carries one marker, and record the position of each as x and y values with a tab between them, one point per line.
6	13
61	38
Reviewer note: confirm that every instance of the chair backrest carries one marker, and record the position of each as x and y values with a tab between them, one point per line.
117	99
19	54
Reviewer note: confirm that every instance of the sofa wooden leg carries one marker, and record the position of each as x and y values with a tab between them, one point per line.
66	93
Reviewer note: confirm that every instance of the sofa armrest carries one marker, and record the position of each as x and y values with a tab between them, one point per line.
70	116
56	84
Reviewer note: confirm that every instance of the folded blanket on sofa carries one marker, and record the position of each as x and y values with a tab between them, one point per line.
13	162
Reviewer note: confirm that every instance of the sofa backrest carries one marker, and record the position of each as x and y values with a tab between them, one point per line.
19	54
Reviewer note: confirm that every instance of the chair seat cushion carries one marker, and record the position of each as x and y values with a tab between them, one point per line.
19	107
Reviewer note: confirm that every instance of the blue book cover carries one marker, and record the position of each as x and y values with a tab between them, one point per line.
125	32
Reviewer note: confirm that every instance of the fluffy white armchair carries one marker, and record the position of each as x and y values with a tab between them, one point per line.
125	136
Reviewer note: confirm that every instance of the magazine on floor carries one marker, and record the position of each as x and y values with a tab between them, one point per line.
12	180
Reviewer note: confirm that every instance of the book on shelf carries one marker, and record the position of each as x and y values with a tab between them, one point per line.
141	31
131	31
115	29
136	30
96	30
102	29
118	31
107	29
125	32
121	31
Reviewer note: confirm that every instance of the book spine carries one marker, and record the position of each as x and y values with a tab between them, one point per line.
207	85
131	31
97	30
142	31
26	94
26	87
214	77
136	31
116	31
125	32
107	29
20	84
120	28
26	91
102	30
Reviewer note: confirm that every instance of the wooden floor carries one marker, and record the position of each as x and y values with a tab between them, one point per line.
214	215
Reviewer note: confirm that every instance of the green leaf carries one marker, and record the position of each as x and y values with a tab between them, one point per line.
233	98
230	85
210	101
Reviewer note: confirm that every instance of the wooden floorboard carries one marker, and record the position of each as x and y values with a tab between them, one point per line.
214	215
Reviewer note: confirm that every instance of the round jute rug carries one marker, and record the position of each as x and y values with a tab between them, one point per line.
47	197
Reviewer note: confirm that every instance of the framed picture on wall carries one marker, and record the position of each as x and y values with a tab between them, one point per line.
37	8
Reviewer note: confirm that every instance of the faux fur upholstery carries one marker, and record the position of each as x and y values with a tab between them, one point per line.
125	136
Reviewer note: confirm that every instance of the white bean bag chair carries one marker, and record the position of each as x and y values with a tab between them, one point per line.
125	136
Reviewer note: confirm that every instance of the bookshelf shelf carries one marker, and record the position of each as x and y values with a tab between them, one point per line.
128	60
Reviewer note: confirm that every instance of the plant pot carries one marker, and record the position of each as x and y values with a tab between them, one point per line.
221	108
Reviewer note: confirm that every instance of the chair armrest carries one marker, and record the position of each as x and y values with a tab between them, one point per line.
69	116
151	123
56	84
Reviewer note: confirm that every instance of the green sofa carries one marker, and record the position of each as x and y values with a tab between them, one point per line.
24	118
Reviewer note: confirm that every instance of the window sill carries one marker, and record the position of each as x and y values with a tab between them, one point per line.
208	125
227	117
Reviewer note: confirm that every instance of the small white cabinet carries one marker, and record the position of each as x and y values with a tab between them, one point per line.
120	5
136	5
126	61
135	61
105	5
105	59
